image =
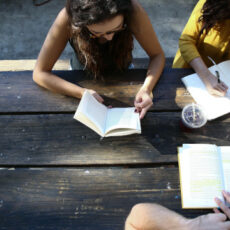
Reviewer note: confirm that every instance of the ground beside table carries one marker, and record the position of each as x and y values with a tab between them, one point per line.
57	174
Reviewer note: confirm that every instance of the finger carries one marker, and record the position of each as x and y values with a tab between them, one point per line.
226	195
143	111
98	97
137	103
146	103
223	207
137	106
216	210
218	88
224	85
222	88
138	100
137	109
110	106
217	91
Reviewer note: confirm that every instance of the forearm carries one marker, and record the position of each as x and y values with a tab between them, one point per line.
56	84
154	217
154	71
200	68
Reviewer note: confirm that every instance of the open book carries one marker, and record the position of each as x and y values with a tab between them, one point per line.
107	121
204	173
213	106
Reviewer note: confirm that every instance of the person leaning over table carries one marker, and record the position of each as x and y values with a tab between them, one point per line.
147	216
206	33
101	33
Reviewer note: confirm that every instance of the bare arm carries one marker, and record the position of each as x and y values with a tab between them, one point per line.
208	78
146	36
148	216
156	217
52	48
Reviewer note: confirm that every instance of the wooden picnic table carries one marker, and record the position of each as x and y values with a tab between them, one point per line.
56	173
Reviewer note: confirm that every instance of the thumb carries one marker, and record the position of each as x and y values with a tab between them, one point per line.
98	97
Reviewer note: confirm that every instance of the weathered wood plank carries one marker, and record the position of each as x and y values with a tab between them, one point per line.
64	64
28	64
58	139
142	63
87	198
18	93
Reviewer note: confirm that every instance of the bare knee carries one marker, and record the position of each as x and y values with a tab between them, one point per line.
141	216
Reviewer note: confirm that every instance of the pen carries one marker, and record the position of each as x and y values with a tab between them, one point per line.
217	72
218	76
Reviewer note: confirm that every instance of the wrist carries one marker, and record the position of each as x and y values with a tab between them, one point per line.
191	224
204	74
81	92
146	89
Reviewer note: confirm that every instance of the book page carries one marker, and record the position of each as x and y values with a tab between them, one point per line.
200	172
93	111
225	152
214	106
122	119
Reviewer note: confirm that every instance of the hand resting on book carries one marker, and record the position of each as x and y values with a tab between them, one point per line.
222	206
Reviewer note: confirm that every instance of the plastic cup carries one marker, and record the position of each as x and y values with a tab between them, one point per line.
193	117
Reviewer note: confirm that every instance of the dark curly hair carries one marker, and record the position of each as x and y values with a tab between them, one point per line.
214	12
97	58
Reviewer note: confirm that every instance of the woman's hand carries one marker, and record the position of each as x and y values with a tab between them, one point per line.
223	207
212	221
211	81
143	102
214	87
96	95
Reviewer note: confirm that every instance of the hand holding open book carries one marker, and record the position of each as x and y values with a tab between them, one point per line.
107	121
204	173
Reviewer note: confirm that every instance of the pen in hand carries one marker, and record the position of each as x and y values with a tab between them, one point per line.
218	76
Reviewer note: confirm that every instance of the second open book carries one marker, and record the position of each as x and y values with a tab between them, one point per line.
213	106
204	173
107	121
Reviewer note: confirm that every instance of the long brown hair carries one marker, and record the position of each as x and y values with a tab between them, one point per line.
214	12
99	59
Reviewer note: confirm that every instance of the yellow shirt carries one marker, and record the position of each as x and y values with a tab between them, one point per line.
215	44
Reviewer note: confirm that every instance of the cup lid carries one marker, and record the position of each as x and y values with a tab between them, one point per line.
193	116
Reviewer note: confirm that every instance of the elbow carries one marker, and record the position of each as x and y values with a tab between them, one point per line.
158	58
140	217
35	76
38	76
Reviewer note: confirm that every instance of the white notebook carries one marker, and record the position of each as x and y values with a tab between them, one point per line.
213	106
204	173
107	121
